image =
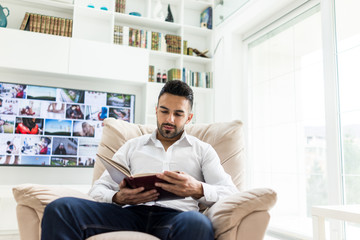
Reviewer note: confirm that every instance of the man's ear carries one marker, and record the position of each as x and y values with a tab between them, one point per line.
189	118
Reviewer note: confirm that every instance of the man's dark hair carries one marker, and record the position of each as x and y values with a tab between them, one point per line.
178	88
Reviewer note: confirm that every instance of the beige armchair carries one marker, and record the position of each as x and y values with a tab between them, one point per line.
241	216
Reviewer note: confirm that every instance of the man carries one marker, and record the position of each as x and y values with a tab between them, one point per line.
201	180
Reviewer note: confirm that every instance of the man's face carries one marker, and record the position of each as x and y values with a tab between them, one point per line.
172	113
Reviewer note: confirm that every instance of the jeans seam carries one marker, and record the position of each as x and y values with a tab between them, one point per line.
91	226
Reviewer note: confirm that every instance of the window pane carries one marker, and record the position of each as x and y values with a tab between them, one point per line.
287	147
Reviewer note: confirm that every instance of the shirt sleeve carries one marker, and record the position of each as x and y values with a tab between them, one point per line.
217	183
105	188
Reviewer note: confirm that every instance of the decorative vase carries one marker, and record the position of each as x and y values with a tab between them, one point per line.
158	12
169	17
3	20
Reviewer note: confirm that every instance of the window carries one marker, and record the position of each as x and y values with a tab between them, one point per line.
288	145
292	102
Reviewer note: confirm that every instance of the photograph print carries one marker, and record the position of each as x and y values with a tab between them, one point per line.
120	113
119	100
36	145
29	108
58	127
65	146
9	90
41	93
25	125
86	161
7	124
9	106
75	111
70	95
84	128
54	110
10	146
35	160
95	98
96	113
63	161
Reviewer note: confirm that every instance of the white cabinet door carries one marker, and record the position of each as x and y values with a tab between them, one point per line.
103	60
33	51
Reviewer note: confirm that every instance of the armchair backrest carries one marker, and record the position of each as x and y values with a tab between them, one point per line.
225	137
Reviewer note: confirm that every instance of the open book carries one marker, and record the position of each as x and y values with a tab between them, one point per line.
118	172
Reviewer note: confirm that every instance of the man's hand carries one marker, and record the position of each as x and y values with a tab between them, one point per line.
181	184
134	196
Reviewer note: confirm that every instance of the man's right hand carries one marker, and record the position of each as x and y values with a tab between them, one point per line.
131	196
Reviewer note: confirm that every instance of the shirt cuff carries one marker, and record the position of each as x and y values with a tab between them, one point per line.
108	196
210	194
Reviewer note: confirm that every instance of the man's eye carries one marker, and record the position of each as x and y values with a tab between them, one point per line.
164	112
178	114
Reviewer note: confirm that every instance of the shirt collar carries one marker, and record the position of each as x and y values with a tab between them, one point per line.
184	139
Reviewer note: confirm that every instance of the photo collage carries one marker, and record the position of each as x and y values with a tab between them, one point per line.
49	126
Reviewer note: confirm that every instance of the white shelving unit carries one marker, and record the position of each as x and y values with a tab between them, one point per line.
91	54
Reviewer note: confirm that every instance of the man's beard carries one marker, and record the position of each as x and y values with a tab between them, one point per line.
168	133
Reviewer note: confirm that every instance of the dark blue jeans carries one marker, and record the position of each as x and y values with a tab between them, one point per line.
73	218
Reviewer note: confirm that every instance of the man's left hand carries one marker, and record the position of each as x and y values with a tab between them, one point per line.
181	184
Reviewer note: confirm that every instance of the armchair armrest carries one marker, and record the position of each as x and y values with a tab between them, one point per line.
38	196
228	212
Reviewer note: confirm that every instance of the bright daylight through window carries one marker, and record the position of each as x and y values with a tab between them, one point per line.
287	144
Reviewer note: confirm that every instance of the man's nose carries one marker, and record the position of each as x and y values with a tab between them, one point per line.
170	118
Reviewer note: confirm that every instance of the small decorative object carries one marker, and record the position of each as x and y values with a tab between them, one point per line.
206	18
200	54
3	20
169	17
135	14
158	11
104	8
90	6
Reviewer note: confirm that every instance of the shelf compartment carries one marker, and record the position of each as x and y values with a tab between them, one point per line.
129	20
93	24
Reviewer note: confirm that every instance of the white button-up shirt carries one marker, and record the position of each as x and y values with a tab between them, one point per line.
146	154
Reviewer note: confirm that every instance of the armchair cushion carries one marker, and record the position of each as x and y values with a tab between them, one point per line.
38	196
225	137
227	213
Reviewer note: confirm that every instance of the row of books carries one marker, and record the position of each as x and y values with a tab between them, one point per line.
194	79
120	6
142	38
34	22
198	79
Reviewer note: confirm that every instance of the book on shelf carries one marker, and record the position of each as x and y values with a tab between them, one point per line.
198	79
173	43
120	6
138	38
118	173
174	74
151	73
206	18
118	34
34	22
